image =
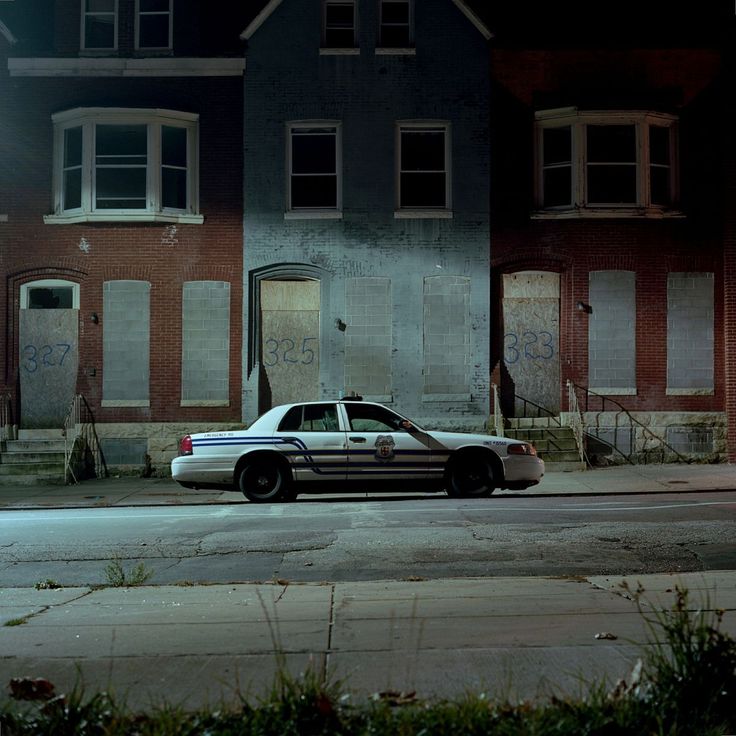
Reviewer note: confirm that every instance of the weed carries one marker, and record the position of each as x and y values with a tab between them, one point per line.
47	584
117	577
16	621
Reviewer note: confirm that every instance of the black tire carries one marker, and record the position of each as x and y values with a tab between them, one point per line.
470	476
263	480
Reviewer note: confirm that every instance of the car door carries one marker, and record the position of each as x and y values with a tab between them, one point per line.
380	447
311	437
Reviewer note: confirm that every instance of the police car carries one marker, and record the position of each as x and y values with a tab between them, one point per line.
344	445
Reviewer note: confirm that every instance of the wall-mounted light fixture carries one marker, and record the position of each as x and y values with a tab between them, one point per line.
93	318
340	325
583	307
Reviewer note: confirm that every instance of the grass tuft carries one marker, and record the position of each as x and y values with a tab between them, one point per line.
116	576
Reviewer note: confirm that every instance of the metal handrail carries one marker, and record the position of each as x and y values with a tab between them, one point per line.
6	416
576	421
540	410
632	419
71	431
498	420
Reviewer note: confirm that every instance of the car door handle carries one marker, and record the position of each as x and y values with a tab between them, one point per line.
357	439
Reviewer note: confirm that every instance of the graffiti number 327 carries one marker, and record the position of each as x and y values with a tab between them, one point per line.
46	356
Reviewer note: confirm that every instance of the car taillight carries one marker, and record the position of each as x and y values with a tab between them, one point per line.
522	448
185	446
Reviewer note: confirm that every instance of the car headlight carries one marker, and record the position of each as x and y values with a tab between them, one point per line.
521	448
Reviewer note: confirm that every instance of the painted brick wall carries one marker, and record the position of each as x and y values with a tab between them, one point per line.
447	80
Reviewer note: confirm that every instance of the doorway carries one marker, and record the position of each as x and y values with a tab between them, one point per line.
531	326
48	352
289	315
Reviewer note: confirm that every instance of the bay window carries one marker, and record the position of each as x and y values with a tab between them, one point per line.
605	162
120	164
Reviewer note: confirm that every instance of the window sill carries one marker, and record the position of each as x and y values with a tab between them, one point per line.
204	402
607	212
127	217
3	218
613	391
125	403
339	52
690	392
428	398
388	51
313	215
423	214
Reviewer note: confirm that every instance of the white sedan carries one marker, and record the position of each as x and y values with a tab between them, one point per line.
351	444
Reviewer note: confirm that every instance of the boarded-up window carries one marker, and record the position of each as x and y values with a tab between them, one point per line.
205	351
447	335
368	337
126	342
690	332
612	331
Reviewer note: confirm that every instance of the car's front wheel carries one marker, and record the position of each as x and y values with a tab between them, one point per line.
470	476
262	480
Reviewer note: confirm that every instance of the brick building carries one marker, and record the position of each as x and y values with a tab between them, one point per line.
122	220
606	224
366	206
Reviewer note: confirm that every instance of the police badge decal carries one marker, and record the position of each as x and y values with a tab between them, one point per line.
384	447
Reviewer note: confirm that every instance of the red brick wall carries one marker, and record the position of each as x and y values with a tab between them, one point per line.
32	249
677	81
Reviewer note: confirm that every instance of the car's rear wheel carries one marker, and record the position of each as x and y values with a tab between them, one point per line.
470	476
262	480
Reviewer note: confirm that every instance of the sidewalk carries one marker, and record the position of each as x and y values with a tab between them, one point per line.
507	637
133	491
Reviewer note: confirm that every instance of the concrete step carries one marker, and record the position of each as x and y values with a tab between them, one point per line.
55	445
29	458
40	434
33	479
35	468
529	422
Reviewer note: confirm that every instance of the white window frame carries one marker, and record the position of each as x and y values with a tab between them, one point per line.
154	119
48	284
577	121
83	27
138	13
326	50
325	213
444	212
384	50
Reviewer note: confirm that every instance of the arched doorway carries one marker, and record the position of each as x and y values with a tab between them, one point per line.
531	326
48	351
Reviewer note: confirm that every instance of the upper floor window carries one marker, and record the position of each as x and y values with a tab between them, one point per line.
622	161
314	163
338	24
395	24
153	24
118	164
99	25
423	159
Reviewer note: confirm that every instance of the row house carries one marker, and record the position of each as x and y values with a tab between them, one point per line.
412	200
606	229
121	231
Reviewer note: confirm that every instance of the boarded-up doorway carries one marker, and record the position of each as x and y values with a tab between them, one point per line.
289	342
48	352
531	325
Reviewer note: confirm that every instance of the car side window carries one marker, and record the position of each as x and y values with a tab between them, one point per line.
311	418
371	418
